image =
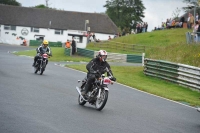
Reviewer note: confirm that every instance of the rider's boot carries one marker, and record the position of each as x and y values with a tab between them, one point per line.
34	61
86	89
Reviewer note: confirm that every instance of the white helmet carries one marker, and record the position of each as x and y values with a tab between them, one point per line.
102	55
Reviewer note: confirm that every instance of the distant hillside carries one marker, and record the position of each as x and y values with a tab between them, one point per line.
169	45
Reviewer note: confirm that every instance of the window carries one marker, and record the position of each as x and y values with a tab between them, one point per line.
59	32
9	27
34	29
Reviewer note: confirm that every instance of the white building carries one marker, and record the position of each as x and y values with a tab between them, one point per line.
17	23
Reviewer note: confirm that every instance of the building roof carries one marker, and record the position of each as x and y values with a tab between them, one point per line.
63	20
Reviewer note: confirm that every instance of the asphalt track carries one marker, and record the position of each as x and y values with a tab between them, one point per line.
33	103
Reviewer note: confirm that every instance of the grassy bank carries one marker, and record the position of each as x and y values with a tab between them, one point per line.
168	45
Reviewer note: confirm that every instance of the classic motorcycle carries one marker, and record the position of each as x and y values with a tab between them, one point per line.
98	93
41	63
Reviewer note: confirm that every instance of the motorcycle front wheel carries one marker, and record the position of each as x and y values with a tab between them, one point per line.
35	70
42	70
43	65
101	102
81	101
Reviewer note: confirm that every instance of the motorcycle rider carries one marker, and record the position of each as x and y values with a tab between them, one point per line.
97	64
43	48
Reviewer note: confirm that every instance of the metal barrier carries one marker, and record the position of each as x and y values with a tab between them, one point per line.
178	73
191	37
188	37
68	51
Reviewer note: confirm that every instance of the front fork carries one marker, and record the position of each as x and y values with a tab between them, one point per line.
100	90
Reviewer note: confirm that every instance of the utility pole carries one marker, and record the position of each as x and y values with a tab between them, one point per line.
47	5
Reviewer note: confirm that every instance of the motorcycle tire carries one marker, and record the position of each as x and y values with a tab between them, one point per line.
81	101
101	102
42	70
35	70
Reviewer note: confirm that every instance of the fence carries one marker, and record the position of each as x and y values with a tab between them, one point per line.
191	37
113	57
120	46
68	51
178	73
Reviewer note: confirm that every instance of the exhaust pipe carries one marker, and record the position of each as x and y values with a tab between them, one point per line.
79	92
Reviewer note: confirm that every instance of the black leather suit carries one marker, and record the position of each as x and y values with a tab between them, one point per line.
95	65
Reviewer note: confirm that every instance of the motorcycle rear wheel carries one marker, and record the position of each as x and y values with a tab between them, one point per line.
81	101
101	102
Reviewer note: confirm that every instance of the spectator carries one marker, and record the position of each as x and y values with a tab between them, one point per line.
146	26
197	17
73	46
138	28
182	20
196	27
94	37
198	32
191	20
67	44
24	42
109	38
98	40
91	39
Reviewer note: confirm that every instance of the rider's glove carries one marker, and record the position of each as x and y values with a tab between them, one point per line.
113	79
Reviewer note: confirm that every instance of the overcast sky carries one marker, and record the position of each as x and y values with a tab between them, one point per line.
156	10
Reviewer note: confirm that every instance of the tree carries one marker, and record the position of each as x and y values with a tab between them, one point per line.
191	4
176	13
41	6
123	12
10	2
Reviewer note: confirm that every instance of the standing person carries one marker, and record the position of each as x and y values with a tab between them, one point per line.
182	20
109	38
67	44
197	17
195	28
24	42
198	32
188	21
146	27
43	48
94	37
73	46
97	64
191	20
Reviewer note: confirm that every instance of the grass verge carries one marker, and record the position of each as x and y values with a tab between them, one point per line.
58	55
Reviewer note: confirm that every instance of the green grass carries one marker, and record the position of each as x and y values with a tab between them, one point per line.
169	45
58	55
